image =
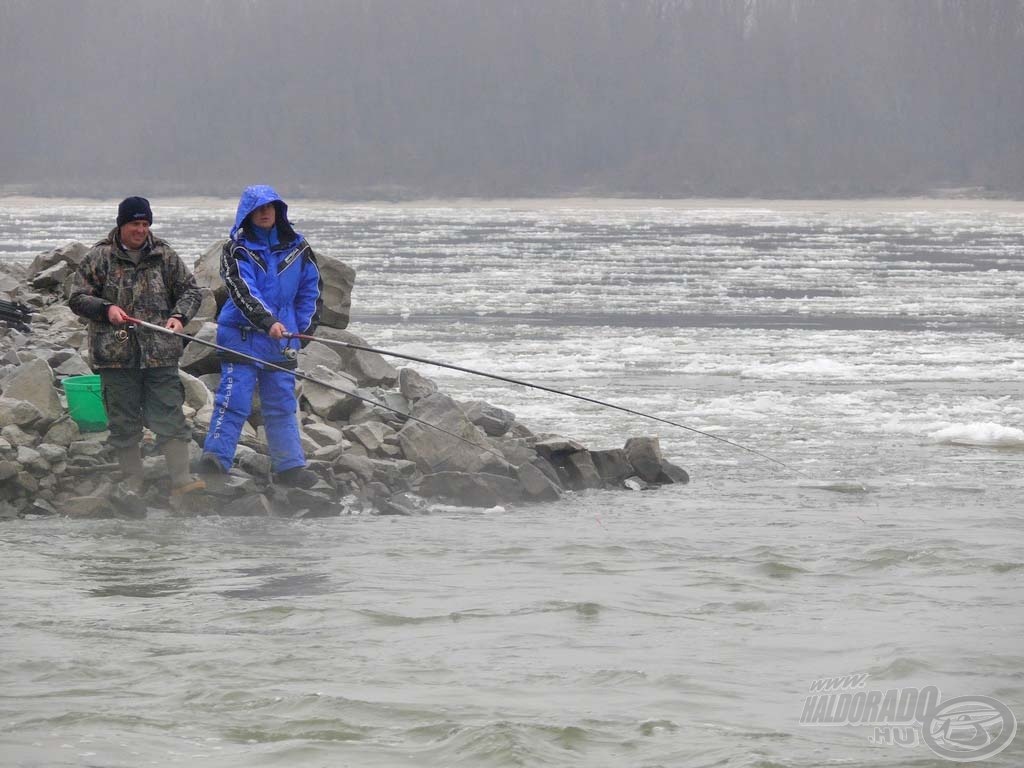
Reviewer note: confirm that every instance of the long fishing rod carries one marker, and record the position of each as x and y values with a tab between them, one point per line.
307	377
552	390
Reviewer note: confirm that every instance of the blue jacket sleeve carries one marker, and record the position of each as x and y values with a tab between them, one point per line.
238	269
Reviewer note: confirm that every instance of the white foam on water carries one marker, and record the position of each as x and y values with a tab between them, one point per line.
981	434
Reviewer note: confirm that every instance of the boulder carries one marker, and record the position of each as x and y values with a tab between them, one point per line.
207	273
63	433
478	489
339	279
199	359
72	254
581	471
332	402
75	365
435	451
415	386
491	419
644	454
670	473
51	277
323	435
20	413
369	369
612	466
315	353
536	484
196	394
34	383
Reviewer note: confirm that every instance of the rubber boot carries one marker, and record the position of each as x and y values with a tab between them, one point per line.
130	460
176	453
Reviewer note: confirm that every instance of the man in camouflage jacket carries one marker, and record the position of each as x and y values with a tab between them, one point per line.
132	273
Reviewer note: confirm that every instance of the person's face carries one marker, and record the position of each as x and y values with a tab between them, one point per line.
134	234
265	216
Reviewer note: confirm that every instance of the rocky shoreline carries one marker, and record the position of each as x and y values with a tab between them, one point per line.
370	456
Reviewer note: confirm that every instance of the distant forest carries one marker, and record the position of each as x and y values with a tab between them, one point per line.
410	98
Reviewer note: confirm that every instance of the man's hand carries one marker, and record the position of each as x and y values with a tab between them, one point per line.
277	331
116	315
174	324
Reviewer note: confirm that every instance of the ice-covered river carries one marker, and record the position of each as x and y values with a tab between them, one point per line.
874	346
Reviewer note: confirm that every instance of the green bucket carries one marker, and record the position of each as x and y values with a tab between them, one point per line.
85	402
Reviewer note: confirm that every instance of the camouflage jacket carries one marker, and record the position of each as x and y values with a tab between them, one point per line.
159	287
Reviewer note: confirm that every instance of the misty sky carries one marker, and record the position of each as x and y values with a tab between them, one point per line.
408	98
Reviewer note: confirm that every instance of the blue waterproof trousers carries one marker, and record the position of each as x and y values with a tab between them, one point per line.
233	403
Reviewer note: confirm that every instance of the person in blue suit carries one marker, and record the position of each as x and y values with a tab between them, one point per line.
274	287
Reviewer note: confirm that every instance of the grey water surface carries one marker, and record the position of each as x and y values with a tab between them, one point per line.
872	347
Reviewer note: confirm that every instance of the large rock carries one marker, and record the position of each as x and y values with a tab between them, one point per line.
475	490
339	278
435	451
414	385
334	402
207	273
536	484
52	277
491	419
196	394
581	471
34	382
644	453
21	413
368	368
200	359
71	254
612	465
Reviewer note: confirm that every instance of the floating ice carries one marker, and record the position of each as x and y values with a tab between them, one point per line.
980	433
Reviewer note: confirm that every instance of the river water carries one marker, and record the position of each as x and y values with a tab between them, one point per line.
871	347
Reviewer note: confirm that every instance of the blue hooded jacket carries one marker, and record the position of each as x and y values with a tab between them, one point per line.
272	277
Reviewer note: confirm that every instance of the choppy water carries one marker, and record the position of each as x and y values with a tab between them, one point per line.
868	344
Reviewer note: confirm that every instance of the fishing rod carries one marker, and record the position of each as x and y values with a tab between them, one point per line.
543	388
307	377
16	315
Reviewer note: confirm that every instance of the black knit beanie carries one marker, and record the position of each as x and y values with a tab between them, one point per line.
134	209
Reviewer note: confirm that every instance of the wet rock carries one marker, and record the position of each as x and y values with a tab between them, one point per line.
613	466
479	489
91	507
8	511
414	386
491	419
670	473
404	503
8	469
581	471
34	382
360	466
644	454
249	505
536	484
550	447
636	483
339	279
